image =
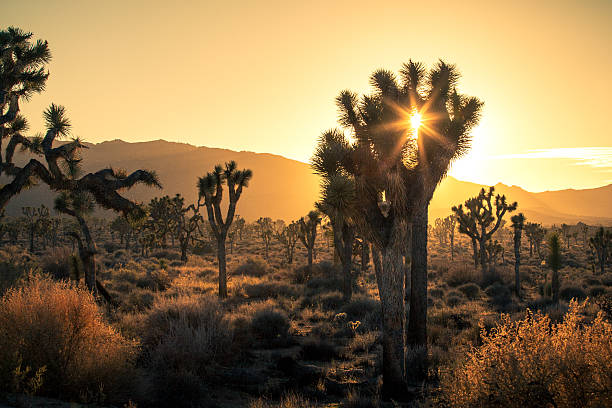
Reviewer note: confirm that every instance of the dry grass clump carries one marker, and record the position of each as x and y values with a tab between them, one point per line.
460	275
521	362
57	330
253	266
290	400
58	262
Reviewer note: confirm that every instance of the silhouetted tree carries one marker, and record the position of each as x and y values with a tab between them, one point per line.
554	261
265	229
338	200
186	220
211	188
288	237
396	170
482	220
33	217
308	234
518	222
601	245
22	74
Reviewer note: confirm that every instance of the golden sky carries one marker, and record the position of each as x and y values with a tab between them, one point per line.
262	75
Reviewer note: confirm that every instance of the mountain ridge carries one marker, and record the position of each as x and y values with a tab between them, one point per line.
287	189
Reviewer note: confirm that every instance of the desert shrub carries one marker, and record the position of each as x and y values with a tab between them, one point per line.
110	246
156	280
269	324
267	290
289	400
185	339
253	266
470	290
490	277
592	282
607	279
359	307
362	343
597	291
203	248
355	400
301	275
324	284
461	275
436	293
168	254
453	300
120	254
532	360
57	262
499	294
137	300
572	292
319	350
15	264
57	328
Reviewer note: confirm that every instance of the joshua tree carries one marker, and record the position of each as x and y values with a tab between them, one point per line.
22	74
164	217
481	220
186	220
338	200
439	231
601	245
451	224
396	169
240	225
518	222
308	233
266	232
33	217
565	230
535	234
211	188
554	261
288	236
583	229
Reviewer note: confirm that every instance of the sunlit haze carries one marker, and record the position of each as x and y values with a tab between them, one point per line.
262	76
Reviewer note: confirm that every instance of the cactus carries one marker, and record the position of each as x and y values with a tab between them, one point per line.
601	246
482	220
518	223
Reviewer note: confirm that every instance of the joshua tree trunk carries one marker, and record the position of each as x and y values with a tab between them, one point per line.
87	253
183	244
517	264
417	324
475	250
365	255
345	245
555	285
394	316
483	255
222	267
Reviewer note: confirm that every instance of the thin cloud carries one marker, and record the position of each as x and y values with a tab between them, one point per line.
599	157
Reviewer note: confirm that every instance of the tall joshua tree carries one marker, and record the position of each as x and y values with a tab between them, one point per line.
288	236
266	232
338	200
397	166
308	233
211	188
481	220
518	222
554	262
601	245
535	234
22	74
33	217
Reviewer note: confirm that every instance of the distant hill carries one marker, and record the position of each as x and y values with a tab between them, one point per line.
286	189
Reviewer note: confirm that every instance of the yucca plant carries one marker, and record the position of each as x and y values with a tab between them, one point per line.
554	262
518	223
396	169
601	246
211	190
308	234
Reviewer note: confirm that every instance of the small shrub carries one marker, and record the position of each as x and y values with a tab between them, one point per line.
532	360
318	350
267	290
359	307
453	300
457	276
156	280
57	263
499	294
269	324
491	277
290	400
597	291
54	326
254	266
436	293
572	292
168	254
470	290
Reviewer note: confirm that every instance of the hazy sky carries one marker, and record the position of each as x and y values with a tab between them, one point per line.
262	75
